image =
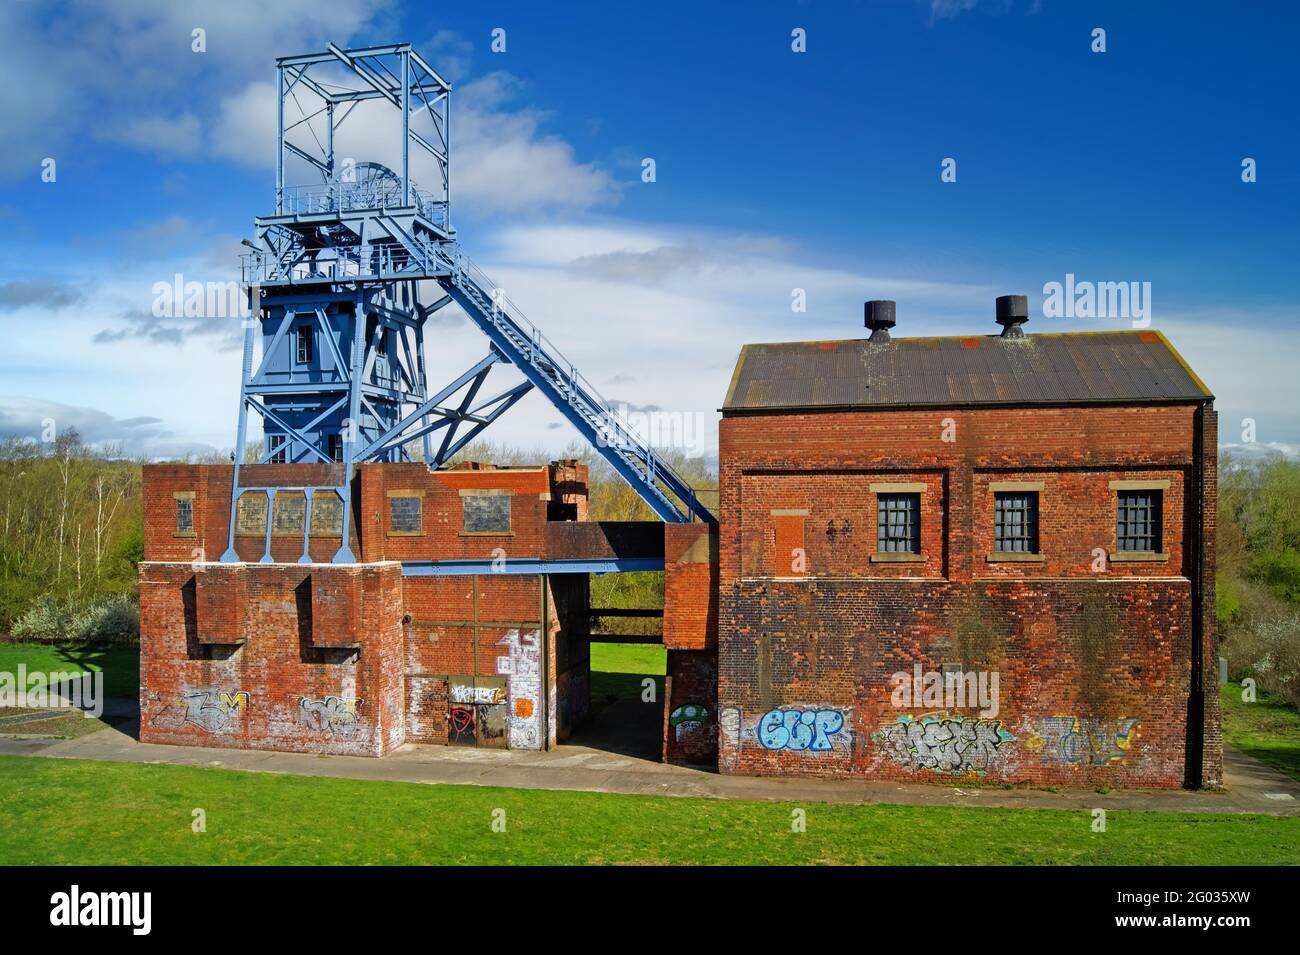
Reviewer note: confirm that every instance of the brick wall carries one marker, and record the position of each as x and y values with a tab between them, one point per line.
691	708
1092	653
690	586
357	658
229	656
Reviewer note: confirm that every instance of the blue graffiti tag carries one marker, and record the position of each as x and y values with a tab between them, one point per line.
800	730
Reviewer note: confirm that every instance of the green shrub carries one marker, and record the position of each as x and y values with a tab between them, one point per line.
1262	641
112	621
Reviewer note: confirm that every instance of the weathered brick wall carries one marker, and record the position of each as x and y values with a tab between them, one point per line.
443	536
475	626
691	708
211	486
690	586
279	687
1093	655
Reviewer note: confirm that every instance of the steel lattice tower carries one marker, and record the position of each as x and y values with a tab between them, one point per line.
335	284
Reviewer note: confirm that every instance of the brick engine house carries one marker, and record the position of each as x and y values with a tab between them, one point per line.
986	557
1035	507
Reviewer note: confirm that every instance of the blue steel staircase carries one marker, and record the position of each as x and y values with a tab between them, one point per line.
573	395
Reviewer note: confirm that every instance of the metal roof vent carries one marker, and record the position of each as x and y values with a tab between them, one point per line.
1013	312
879	317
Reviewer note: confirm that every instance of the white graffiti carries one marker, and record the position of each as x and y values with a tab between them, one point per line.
524	667
333	715
943	743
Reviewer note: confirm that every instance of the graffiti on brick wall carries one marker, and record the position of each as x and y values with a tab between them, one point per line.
804	730
333	715
946	744
460	725
208	708
687	721
465	690
730	722
1081	740
523	666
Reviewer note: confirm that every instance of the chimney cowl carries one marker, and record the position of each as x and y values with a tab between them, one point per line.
878	315
1012	314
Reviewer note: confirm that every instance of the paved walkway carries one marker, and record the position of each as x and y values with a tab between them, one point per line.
1250	785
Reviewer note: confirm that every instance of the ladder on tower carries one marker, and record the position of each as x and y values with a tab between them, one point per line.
667	493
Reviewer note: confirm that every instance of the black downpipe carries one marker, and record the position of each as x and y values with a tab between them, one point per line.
1194	769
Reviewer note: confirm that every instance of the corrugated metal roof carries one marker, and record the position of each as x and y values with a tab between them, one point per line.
1066	368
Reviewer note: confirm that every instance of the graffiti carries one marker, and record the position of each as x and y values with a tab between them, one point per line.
1074	739
687	720
729	726
460	726
474	693
798	730
333	715
525	689
208	709
947	744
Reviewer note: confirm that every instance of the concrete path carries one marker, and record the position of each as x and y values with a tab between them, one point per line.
1250	785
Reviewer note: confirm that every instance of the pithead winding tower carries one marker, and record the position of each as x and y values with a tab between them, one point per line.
344	277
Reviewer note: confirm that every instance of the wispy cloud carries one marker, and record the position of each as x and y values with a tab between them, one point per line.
140	436
39	292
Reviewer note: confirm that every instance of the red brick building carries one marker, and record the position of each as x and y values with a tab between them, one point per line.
985	557
902	519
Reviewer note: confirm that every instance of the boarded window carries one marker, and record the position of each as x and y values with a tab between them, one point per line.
405	514
1015	522
289	515
789	559
326	514
898	523
250	514
487	513
185	513
1137	521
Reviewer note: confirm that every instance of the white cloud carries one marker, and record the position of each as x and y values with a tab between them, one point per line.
245	126
121	71
503	162
180	136
141	436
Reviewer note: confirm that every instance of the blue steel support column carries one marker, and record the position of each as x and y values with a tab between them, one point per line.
406	128
230	557
306	528
424	384
279	149
270	511
352	424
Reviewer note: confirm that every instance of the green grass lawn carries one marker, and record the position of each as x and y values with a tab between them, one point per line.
121	668
617	670
77	812
1267	729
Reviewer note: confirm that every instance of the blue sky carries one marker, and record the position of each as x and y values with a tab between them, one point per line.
775	170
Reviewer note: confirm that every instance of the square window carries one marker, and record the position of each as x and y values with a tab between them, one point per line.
305	343
405	514
278	447
1138	521
184	515
898	523
487	513
1015	522
335	448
